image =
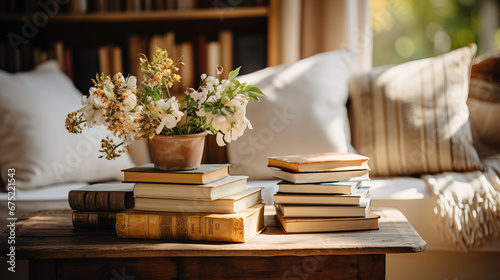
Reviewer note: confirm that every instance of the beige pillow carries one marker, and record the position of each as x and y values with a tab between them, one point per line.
33	139
413	118
303	112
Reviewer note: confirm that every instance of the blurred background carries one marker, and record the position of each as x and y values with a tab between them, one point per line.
405	30
89	36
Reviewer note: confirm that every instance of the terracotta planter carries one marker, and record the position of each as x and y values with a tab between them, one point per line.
177	152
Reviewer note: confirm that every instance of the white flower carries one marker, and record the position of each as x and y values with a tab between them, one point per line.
203	76
92	110
131	82
220	139
168	112
108	89
130	101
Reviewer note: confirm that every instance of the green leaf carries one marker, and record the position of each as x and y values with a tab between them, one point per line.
208	109
193	103
236	83
185	99
234	73
256	90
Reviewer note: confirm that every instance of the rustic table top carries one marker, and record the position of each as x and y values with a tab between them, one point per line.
50	234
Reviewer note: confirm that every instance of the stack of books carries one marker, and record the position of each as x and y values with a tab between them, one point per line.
323	192
206	204
96	206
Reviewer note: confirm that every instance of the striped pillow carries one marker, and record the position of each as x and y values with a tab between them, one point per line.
413	118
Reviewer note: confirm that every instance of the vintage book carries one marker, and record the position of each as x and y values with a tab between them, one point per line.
105	60
186	54
319	162
354	198
304	225
200	56
213	58
101	219
343	187
225	205
302	211
116	60
239	227
320	177
226	49
223	187
102	197
148	174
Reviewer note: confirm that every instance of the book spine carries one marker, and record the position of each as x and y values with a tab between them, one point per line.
76	200
173	226
100	201
117	201
90	201
101	220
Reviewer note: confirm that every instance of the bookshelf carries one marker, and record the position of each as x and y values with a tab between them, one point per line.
118	16
107	36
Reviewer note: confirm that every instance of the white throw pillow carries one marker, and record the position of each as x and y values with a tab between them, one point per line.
33	139
303	112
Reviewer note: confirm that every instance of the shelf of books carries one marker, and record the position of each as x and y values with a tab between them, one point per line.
88	37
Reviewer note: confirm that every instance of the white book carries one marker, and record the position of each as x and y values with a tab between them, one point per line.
217	189
343	187
330	211
226	205
320	177
354	198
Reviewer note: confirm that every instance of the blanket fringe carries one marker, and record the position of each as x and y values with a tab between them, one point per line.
469	223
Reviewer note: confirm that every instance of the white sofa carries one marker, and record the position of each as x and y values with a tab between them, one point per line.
275	129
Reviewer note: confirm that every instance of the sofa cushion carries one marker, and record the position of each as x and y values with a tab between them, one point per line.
413	118
303	112
484	103
33	139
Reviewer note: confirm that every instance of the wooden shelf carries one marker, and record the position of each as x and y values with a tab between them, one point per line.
173	15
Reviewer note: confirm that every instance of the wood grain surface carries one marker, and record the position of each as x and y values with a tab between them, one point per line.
50	235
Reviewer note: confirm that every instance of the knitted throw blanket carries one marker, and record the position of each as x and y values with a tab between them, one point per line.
468	205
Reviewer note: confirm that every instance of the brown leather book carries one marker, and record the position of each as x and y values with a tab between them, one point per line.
101	220
102	197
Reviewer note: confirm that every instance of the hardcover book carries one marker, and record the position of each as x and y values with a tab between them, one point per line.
319	162
148	174
238	227
344	187
355	198
217	189
100	220
102	197
228	204
330	211
321	177
305	225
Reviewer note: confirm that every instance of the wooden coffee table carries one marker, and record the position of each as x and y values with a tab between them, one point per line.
57	251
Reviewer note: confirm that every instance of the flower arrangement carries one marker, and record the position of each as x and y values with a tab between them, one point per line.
216	106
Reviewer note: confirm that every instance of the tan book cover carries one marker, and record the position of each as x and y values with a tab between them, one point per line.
306	225
319	162
148	174
239	227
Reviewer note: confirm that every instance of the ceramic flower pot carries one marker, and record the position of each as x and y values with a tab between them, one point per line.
177	152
